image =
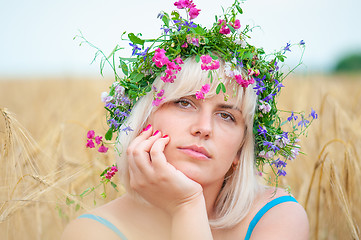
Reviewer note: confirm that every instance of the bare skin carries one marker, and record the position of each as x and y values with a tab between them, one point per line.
180	176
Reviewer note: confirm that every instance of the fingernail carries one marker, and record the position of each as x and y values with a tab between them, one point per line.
156	132
146	128
165	136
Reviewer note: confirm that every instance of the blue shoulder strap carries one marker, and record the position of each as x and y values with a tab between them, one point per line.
263	210
104	222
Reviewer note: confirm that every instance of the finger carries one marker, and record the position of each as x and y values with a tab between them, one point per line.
145	134
139	156
157	152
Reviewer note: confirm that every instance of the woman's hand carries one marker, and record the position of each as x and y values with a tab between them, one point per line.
157	181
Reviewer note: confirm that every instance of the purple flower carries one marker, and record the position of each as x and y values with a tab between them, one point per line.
268	97
127	129
145	52
281	172
287	48
110	105
292	117
303	122
302	42
271	146
313	114
166	30
278	85
113	123
262	131
135	48
279	163
160	15
260	85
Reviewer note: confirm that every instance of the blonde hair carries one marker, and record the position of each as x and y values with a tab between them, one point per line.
241	186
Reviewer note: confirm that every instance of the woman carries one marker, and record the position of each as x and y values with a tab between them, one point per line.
189	164
190	150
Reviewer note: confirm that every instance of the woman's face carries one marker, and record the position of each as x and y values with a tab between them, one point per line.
205	136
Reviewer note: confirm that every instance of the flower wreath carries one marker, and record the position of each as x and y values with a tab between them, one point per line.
182	38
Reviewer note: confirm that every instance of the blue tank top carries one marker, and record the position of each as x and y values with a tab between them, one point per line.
251	226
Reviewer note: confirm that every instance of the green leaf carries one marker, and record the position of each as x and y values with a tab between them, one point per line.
128	59
231	28
239	9
104	195
77	207
124	67
114	186
109	135
175	15
218	88
165	19
198	58
136	77
135	39
69	202
85	191
223	87
281	58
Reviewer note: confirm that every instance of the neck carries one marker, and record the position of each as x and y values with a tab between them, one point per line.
210	193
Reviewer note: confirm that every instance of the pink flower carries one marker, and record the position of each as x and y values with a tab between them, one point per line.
159	58
157	101
224	30
214	65
185	45
193	13
250	72
205	88
195	42
90	144
199	95
91	134
102	149
236	24
114	169
160	93
243	82
178	60
98	139
182	4
256	72
206	59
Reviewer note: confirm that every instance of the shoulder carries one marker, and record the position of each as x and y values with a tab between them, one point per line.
287	220
90	228
86	228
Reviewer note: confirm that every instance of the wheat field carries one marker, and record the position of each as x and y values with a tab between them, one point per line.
45	165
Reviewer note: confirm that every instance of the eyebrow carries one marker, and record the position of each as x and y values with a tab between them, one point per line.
229	106
223	105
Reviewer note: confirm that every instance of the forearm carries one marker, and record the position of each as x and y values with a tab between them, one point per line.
190	221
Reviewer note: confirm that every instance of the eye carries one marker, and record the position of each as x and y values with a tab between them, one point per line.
183	103
226	116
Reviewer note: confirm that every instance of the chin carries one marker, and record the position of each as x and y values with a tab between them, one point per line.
191	170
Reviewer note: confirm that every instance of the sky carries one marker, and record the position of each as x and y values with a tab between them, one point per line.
36	36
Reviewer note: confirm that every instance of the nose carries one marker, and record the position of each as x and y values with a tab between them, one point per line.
202	125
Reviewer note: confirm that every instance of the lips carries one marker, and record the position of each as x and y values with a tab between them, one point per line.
196	151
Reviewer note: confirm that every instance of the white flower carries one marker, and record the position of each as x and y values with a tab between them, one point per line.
105	97
264	107
228	69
